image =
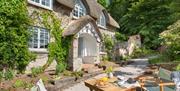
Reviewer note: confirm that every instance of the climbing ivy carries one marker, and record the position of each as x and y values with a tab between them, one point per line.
59	46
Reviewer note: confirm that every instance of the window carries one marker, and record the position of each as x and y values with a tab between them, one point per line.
79	9
102	21
39	38
42	3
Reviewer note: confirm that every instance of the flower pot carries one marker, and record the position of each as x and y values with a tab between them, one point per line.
110	75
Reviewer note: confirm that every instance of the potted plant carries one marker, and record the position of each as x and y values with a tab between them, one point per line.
109	71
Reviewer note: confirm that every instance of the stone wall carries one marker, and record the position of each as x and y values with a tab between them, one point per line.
63	14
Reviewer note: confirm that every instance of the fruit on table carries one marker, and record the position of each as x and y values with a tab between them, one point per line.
104	79
102	82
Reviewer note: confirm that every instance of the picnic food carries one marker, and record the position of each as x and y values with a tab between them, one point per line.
102	82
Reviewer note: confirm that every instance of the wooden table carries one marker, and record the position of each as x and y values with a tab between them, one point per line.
110	87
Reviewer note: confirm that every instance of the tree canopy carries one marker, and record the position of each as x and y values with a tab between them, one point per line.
145	17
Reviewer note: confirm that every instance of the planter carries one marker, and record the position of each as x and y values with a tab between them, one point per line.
110	75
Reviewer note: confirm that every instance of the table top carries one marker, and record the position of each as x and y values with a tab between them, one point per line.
109	87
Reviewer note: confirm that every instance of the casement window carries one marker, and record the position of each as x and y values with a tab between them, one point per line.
79	9
42	3
102	21
39	38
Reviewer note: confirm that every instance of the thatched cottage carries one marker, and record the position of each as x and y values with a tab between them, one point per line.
86	19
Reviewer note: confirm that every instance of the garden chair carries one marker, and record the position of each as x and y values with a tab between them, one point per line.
162	82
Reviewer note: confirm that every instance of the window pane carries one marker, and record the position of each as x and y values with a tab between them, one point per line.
37	1
43	38
79	9
41	41
45	2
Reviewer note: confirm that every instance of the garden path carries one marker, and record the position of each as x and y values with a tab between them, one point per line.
132	70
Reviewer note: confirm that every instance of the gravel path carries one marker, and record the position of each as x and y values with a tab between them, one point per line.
131	70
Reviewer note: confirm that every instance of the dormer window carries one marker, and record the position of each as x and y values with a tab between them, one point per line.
102	21
79	9
47	4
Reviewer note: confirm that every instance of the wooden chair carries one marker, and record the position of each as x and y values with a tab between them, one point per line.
161	82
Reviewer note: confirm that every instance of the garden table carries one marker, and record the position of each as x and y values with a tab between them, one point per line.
110	87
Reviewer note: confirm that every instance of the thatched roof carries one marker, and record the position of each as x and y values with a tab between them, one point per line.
94	9
76	25
112	22
68	3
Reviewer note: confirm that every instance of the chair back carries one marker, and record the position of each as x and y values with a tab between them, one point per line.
164	74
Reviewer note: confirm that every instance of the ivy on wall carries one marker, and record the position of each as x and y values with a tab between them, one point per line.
59	46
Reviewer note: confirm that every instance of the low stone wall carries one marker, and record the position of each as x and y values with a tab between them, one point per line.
70	81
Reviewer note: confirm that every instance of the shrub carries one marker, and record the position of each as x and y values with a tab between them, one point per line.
142	52
19	83
77	74
178	67
36	71
60	68
9	74
14	23
67	73
171	39
23	84
105	58
1	76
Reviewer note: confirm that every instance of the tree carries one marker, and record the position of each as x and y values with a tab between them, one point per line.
144	17
104	3
14	34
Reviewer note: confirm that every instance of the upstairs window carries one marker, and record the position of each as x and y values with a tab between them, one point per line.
39	38
79	9
102	21
42	3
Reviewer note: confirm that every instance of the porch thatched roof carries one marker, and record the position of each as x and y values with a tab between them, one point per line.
94	9
76	25
112	22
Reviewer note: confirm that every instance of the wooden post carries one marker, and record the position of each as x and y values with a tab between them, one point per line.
161	88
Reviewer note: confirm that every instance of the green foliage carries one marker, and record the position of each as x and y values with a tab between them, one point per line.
60	68
104	3
161	58
144	17
105	58
77	74
126	58
36	71
14	34
109	44
22	84
67	73
18	83
109	70
120	37
44	79
171	39
142	52
178	67
1	76
9	74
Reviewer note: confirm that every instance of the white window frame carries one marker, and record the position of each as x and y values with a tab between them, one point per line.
102	21
79	8
50	7
38	49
